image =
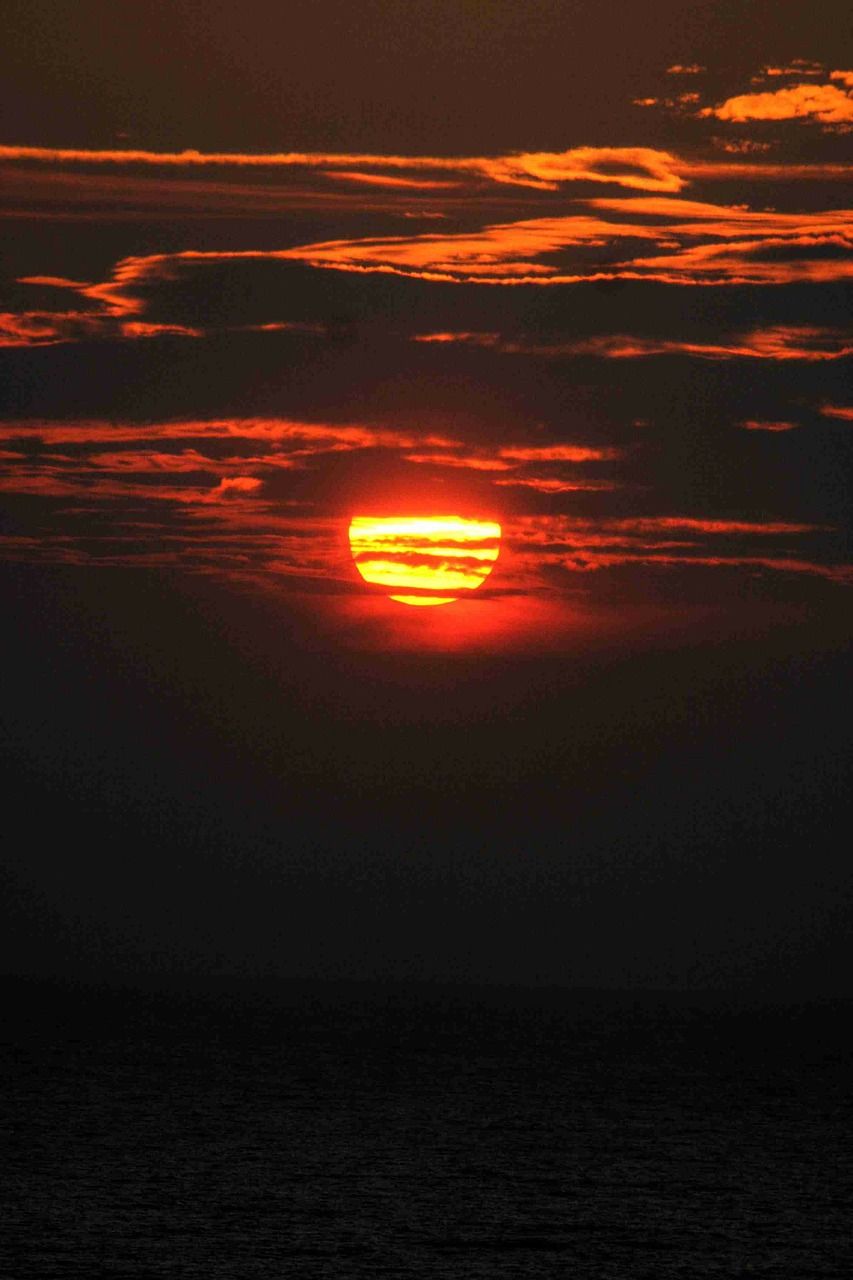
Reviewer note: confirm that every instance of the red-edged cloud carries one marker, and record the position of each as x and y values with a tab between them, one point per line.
752	424
776	342
580	545
198	495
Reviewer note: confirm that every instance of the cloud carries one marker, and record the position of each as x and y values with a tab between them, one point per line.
276	433
515	457
775	342
554	484
509	253
742	146
287	445
682	69
558	453
640	168
752	425
389	180
605	238
197	495
796	67
824	103
667	542
236	484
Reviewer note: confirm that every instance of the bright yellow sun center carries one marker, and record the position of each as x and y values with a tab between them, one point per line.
423	559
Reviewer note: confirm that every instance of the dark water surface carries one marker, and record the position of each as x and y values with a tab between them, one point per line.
423	1133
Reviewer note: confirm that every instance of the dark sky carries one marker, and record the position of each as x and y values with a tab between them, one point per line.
582	269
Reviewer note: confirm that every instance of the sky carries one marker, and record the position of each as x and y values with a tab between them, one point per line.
578	270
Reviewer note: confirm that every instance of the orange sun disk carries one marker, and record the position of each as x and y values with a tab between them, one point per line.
423	559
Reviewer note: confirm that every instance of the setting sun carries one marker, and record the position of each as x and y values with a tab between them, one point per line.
424	559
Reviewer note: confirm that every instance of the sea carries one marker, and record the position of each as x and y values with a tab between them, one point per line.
241	1130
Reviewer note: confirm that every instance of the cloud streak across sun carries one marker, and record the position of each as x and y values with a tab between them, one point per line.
216	496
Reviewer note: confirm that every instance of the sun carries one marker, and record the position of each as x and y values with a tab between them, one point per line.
424	559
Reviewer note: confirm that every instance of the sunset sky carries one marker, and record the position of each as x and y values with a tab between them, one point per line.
580	270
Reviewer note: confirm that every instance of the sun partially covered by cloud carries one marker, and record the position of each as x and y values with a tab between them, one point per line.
226	496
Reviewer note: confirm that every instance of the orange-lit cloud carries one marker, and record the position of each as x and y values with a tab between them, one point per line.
669	542
465	461
317	437
558	453
513	457
199	495
796	67
389	180
684	69
825	103
554	484
753	425
288	445
742	146
641	168
698	242
776	342
706	244
843	412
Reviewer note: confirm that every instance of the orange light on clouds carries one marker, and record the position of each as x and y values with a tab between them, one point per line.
424	560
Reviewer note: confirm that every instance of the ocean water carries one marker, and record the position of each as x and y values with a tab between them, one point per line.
401	1133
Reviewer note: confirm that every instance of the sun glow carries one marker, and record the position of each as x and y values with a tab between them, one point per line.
424	559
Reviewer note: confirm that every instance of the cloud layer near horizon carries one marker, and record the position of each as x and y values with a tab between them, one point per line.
215	497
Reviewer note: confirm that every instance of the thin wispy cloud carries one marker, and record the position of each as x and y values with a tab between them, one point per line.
672	543
640	168
752	425
796	67
703	243
777	342
196	495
